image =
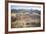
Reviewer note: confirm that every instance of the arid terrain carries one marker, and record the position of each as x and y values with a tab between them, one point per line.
25	18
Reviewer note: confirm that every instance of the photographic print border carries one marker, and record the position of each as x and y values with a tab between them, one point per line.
6	16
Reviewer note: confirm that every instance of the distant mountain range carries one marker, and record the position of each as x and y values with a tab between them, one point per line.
22	10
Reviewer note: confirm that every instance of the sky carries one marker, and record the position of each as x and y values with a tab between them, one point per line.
25	7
